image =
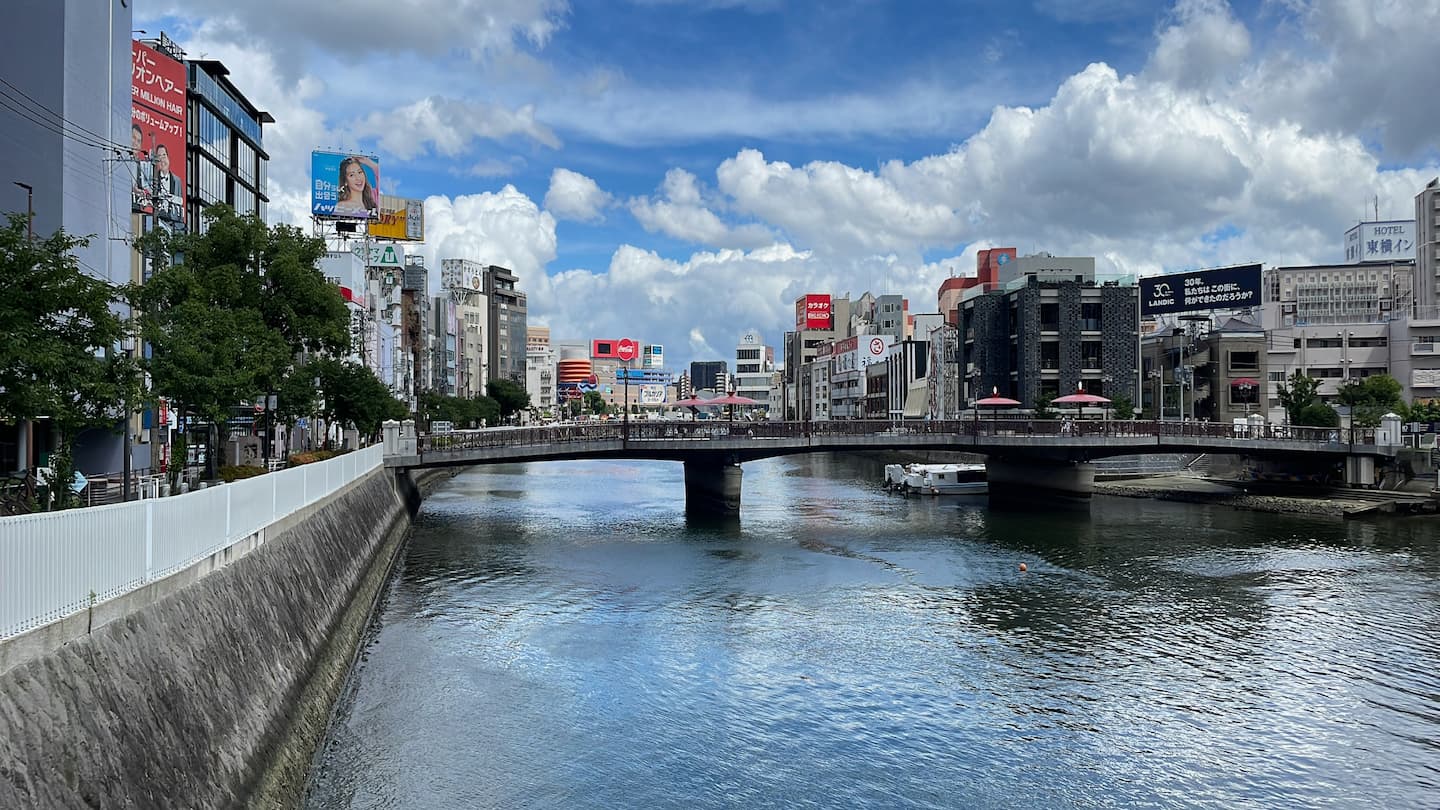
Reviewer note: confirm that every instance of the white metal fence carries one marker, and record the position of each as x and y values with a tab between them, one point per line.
58	563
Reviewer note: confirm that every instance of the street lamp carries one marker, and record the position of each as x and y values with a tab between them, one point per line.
1159	377
1246	389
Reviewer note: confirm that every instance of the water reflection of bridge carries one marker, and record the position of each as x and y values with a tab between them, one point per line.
1030	458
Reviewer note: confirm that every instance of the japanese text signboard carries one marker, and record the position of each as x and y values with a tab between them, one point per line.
157	133
813	312
1225	288
1380	241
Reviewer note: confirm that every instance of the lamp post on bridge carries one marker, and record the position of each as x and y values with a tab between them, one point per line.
626	349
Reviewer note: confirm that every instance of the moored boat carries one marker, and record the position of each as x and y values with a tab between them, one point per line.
936	479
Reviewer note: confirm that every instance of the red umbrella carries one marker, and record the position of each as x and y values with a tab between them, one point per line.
1080	399
732	400
993	402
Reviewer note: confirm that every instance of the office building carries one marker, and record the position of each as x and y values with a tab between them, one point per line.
508	317
225	156
710	375
64	128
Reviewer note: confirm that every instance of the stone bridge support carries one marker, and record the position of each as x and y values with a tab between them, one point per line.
1037	483
1360	471
712	487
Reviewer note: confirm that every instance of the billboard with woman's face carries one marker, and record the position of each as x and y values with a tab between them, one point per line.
344	186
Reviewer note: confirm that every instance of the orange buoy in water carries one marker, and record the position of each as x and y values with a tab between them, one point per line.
1023	569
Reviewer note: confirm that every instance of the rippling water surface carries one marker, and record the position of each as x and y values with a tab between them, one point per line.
557	636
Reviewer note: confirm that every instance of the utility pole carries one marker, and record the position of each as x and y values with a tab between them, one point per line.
28	429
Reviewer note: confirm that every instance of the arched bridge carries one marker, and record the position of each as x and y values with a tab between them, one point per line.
1026	457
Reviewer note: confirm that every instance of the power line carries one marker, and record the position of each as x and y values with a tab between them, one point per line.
51	126
97	138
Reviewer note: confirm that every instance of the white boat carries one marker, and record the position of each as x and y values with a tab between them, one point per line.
954	479
936	479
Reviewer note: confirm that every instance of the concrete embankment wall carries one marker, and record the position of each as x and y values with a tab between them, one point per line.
215	694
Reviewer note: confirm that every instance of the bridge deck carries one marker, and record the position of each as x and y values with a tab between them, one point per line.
1049	440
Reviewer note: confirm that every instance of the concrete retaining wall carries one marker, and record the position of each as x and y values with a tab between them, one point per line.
215	694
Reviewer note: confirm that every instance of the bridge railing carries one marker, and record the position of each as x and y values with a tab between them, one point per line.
960	429
54	564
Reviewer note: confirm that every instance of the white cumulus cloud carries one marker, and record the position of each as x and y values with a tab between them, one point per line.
574	196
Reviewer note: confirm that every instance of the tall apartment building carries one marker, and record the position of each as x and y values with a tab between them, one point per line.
508	324
446	345
1427	248
1370	292
819	320
539	368
540	376
754	365
1041	337
472	362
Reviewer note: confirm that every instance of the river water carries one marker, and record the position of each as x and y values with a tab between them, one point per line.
558	636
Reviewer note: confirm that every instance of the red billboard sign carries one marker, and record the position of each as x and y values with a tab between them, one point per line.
813	312
157	133
626	349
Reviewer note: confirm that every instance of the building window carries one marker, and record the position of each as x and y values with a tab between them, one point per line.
1090	354
1050	317
1244	361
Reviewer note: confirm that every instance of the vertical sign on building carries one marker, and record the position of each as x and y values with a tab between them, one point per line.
812	311
157	133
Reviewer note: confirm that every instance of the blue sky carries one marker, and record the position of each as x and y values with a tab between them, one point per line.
678	171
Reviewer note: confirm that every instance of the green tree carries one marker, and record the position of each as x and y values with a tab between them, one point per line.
227	320
1318	414
509	395
1421	411
297	393
1298	394
1123	407
1371	398
60	343
594	403
1042	407
355	397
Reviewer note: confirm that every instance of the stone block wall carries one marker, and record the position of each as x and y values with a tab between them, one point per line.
207	697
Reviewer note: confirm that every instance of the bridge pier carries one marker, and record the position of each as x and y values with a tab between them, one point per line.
1360	471
1032	483
712	487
